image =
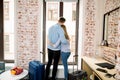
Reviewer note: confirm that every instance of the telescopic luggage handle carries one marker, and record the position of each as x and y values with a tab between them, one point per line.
74	56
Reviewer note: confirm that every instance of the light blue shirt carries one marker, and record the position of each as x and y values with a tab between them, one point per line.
64	47
56	32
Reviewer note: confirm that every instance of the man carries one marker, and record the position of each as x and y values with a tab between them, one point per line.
55	33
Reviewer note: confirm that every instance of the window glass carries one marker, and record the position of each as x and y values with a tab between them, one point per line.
52	11
6	10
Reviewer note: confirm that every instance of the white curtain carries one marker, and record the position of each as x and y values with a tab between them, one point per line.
62	0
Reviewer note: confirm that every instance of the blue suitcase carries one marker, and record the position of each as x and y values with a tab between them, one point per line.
36	70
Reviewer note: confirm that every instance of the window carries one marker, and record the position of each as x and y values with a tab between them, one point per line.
52	13
6	10
71	26
8	30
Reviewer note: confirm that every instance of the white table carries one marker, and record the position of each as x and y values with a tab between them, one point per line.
8	76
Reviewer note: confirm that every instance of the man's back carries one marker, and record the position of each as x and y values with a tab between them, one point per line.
53	35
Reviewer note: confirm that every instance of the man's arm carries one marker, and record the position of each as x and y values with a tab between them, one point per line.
54	45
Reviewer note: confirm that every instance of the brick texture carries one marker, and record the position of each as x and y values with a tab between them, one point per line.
27	12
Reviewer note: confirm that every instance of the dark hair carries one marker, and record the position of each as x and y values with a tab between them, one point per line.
62	19
65	32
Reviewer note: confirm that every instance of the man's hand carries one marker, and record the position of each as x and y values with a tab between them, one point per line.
50	43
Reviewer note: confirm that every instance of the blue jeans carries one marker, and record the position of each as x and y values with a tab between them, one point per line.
65	56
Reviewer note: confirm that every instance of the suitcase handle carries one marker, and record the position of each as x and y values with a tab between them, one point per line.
74	56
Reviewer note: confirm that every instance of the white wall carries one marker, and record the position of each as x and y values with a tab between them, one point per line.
100	10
